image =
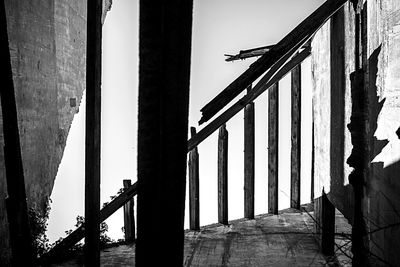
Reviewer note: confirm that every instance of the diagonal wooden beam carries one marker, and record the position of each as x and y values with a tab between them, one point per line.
300	34
79	233
260	87
17	215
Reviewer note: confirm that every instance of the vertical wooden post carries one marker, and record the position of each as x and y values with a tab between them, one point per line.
273	138
295	161
249	160
129	216
325	225
312	159
165	35
93	134
223	175
194	207
17	214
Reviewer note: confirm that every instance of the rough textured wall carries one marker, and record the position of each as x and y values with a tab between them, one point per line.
381	62
383	76
47	46
332	63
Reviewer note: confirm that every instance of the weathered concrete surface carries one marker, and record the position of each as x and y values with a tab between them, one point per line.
269	240
48	47
381	62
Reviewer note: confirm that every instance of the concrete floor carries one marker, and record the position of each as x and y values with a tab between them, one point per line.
281	240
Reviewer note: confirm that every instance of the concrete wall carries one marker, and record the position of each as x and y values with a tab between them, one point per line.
47	46
381	62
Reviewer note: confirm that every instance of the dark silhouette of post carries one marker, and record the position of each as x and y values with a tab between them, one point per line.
93	133
165	29
295	158
194	206
17	211
249	158
273	138
223	175
325	224
129	216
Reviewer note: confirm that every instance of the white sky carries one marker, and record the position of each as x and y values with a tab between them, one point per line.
219	27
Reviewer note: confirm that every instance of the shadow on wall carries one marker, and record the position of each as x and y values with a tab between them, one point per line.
383	187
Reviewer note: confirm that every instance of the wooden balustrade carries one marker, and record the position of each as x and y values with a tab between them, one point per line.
194	207
273	138
223	175
249	159
295	158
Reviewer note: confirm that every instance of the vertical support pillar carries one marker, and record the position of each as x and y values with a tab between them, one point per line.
17	211
129	216
249	158
223	175
273	135
93	134
312	159
194	206
295	162
325	215
164	76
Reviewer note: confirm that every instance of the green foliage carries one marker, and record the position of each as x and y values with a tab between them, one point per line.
38	226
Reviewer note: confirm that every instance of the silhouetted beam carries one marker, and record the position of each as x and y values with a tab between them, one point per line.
260	87
243	54
93	132
20	236
300	34
79	233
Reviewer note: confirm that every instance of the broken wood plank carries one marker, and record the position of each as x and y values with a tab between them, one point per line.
254	52
129	216
295	158
266	82
194	205
17	211
301	34
273	138
249	159
93	132
223	175
79	233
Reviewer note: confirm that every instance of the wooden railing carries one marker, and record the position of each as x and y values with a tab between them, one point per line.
286	56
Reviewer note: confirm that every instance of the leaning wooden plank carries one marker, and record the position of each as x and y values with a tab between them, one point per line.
20	237
300	34
79	233
260	87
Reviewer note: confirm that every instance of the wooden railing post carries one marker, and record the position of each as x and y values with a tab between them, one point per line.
273	121
295	161
223	175
194	206
129	216
249	160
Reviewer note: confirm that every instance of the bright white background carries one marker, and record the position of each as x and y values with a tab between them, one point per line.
219	27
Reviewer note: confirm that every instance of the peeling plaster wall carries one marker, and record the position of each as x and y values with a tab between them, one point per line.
47	45
381	62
